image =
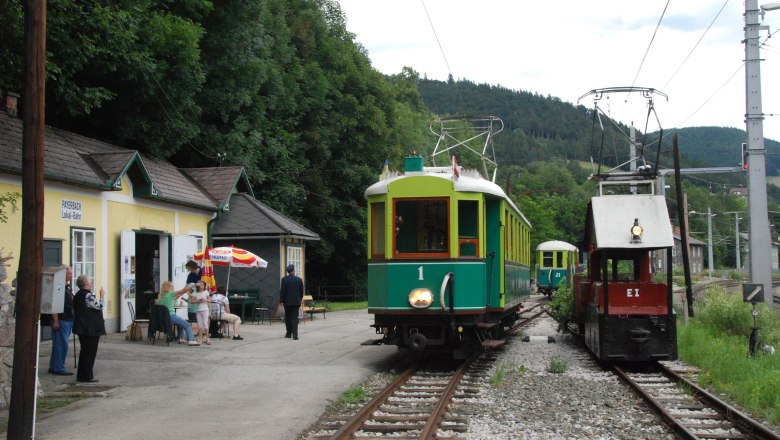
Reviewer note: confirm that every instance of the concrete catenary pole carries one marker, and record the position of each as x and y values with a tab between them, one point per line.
759	237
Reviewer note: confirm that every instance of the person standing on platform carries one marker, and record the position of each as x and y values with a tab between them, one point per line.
291	296
192	278
89	325
61	326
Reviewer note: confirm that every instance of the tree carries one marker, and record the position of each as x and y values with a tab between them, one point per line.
9	198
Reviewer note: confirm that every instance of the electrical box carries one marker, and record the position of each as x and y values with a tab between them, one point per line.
53	289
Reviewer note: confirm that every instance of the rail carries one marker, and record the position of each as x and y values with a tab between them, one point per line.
686	412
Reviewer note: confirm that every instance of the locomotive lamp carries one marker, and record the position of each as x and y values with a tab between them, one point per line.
636	232
420	298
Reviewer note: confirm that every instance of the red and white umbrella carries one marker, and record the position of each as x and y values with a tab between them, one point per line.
232	257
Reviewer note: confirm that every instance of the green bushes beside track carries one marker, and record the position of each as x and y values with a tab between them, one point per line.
716	341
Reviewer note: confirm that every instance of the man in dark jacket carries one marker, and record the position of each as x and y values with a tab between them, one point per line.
61	326
291	296
89	325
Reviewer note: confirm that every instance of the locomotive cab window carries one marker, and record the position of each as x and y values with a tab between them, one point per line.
421	228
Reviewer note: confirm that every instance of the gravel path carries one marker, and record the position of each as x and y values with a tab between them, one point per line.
583	402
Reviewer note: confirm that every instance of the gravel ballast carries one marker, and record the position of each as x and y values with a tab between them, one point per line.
583	402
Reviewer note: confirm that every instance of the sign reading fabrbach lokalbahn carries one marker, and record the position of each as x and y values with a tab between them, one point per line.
71	210
753	293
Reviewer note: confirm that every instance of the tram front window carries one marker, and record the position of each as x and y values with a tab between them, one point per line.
421	228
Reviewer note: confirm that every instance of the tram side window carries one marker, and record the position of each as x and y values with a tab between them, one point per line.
547	259
468	228
559	259
377	230
422	227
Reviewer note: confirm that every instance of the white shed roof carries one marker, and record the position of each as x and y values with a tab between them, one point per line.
613	217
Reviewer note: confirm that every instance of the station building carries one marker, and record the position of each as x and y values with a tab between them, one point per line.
128	220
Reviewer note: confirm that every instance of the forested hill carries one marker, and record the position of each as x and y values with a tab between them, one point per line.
545	127
535	126
722	147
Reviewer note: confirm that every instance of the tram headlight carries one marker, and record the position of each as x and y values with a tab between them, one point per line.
636	232
420	298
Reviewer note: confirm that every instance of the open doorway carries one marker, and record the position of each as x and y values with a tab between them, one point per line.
147	271
148	258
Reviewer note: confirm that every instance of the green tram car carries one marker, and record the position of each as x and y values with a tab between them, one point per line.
448	259
556	262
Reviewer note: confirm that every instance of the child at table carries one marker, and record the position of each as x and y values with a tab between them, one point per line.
202	299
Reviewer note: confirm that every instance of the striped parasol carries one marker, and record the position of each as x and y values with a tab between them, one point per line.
207	273
230	256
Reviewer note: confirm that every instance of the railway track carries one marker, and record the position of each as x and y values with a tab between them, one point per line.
415	405
693	412
424	402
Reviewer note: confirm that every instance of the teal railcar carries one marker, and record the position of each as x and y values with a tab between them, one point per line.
448	258
556	262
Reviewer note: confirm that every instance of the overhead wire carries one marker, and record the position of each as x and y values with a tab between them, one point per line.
695	45
644	58
441	49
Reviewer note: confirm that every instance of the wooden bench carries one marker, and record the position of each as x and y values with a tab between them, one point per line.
311	307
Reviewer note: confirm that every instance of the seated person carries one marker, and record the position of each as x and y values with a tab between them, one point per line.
220	310
166	298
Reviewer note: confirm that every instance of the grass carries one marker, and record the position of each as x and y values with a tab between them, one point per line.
336	306
354	394
49	404
502	370
557	365
716	341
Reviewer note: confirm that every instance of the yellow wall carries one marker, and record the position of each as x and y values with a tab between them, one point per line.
122	212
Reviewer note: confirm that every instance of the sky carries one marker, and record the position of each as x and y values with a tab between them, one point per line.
567	48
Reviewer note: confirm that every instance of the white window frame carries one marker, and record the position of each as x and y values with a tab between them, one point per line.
80	262
295	256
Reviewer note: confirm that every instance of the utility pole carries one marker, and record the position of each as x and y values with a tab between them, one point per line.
736	237
710	260
682	216
21	416
759	238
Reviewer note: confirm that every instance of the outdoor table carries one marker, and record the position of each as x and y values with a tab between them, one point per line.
243	299
181	312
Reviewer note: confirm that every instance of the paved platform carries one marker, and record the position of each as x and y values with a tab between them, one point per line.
264	387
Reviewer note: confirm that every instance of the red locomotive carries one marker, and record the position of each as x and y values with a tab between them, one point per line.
624	312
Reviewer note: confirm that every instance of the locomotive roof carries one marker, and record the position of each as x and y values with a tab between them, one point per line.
556	245
468	181
613	216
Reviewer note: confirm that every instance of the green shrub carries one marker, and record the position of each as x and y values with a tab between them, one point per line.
562	307
737	275
716	341
727	314
557	365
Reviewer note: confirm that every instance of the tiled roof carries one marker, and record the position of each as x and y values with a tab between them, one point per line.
248	217
79	160
219	182
114	165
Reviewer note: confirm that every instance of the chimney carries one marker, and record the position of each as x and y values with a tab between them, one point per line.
11	101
